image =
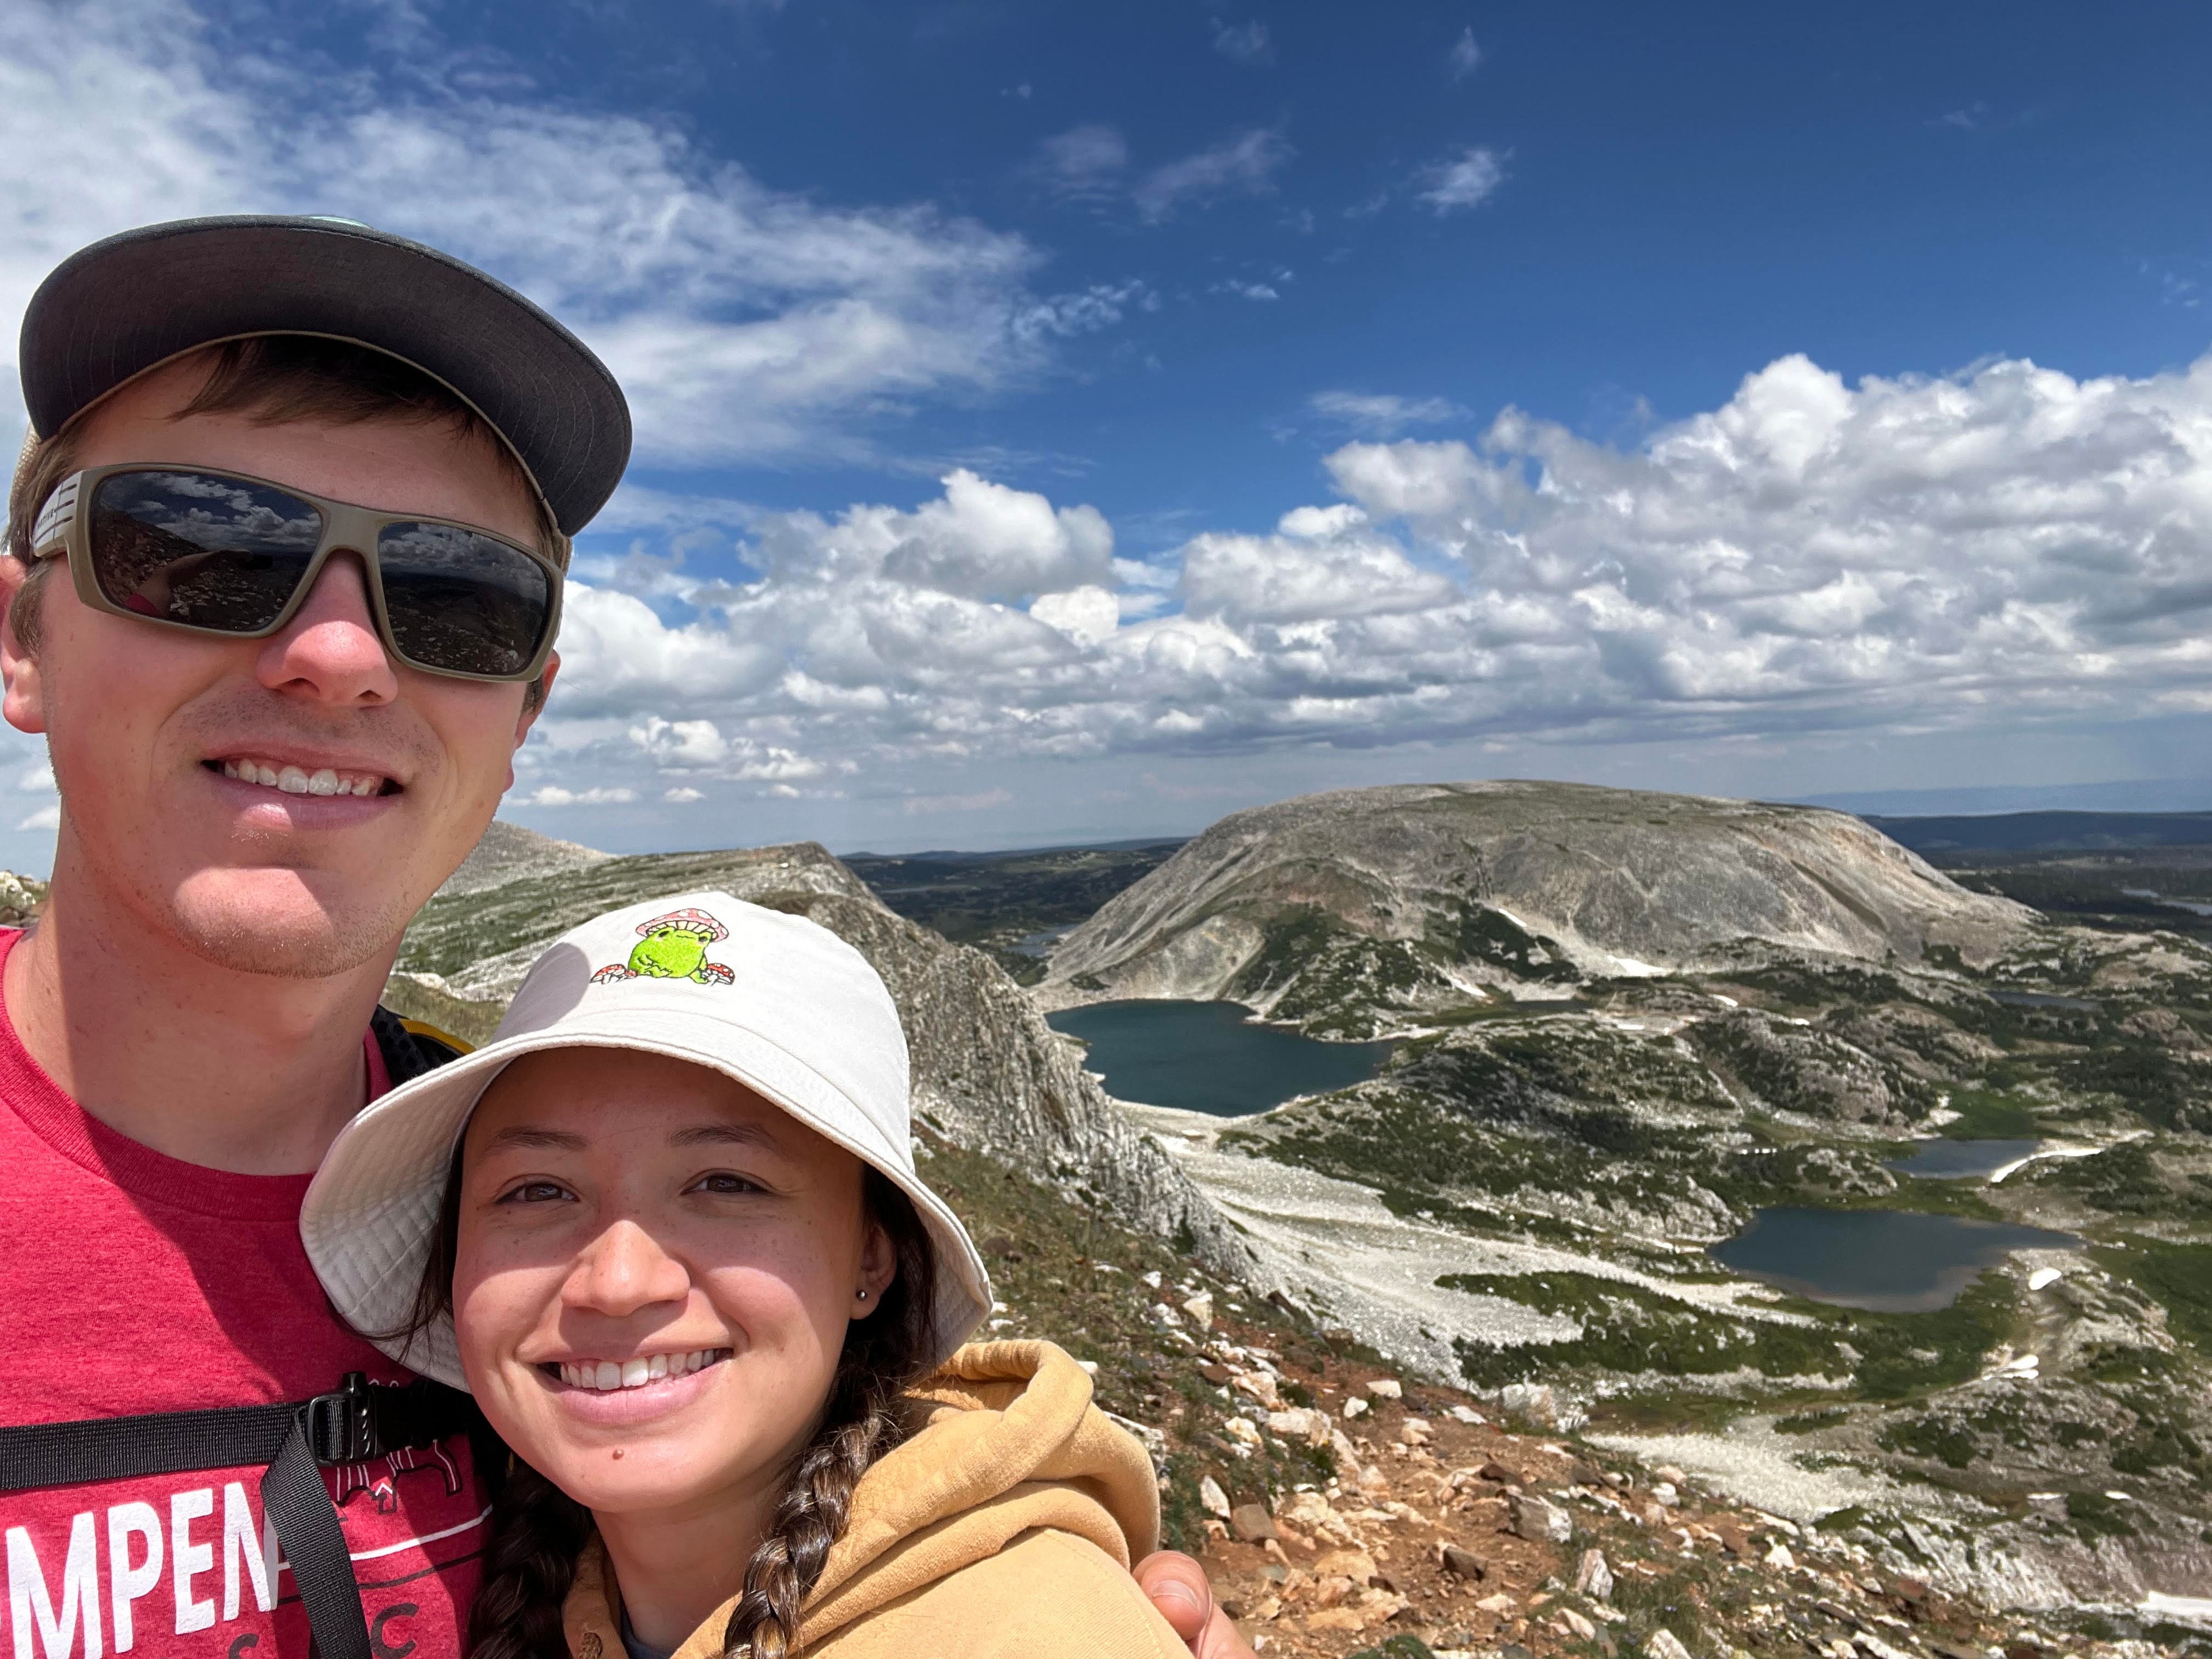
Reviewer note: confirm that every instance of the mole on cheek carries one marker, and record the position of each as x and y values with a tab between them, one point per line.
618	1451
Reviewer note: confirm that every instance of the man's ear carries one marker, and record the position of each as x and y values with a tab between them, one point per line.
533	699
533	705
23	702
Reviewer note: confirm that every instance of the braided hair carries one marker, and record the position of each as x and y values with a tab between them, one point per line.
537	1531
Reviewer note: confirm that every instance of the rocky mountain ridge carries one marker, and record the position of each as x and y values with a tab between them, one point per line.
1380	907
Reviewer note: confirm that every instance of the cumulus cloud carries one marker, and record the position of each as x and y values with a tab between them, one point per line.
1320	565
1244	164
1461	181
2004	545
745	323
552	794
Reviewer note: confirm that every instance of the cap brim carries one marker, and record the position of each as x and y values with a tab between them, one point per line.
371	1213
122	306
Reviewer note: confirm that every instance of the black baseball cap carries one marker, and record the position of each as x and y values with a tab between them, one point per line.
122	306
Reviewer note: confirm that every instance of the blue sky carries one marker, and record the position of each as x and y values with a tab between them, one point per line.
1064	421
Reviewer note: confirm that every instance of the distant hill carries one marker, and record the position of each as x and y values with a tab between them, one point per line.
1010	905
1980	838
1418	897
508	852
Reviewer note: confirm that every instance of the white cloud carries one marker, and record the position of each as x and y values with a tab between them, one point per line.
1243	165
46	817
745	323
1318	567
1464	57
1087	615
2003	546
1243	43
1464	180
552	794
1381	414
682	795
1248	290
37	779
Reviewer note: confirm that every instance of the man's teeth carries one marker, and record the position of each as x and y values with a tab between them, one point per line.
606	1376
298	780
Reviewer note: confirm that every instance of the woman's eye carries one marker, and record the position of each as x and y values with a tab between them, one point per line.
724	1185
535	1192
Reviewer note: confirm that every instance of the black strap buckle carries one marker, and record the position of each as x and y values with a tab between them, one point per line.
341	1427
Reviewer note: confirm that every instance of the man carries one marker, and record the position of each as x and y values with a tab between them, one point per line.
285	556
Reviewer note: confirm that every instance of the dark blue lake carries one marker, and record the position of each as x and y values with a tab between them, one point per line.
1889	1261
1962	1160
1210	1056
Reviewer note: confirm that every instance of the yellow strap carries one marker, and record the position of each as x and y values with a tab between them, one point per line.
424	1029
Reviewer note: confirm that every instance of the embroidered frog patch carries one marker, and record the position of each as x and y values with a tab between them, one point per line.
673	946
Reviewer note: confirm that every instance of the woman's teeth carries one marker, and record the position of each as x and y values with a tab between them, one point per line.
605	1375
298	780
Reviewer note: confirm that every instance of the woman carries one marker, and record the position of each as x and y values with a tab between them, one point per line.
666	1229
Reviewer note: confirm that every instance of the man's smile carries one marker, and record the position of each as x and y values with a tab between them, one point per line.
293	779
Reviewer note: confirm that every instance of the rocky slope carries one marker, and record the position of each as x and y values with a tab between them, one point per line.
1370	909
988	1071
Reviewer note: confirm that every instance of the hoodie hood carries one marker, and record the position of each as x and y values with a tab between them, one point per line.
1009	1443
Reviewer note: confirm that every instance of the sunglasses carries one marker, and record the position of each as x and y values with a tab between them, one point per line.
223	553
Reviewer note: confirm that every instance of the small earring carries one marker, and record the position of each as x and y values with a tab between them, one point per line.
864	1296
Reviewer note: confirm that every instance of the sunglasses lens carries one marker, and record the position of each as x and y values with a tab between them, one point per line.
201	549
461	602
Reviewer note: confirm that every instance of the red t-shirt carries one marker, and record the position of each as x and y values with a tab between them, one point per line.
132	1282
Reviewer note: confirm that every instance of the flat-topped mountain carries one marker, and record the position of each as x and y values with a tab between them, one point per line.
1426	894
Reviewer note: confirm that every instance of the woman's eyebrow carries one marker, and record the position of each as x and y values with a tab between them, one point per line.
523	1135
726	1134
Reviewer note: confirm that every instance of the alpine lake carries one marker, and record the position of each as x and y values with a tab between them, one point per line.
1211	1057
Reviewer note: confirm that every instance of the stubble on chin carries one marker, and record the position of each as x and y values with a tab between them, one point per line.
298	939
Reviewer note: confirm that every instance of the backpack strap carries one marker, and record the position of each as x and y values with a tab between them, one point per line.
359	1421
412	1047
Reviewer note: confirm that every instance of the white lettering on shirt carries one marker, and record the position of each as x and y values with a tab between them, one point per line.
28	1599
241	1540
127	1583
187	1560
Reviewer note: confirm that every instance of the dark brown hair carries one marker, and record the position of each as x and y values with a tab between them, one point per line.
275	378
538	1531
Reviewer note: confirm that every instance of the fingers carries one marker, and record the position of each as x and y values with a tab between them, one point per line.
1176	1586
1222	1640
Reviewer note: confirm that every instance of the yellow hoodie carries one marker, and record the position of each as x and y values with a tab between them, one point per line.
1005	1526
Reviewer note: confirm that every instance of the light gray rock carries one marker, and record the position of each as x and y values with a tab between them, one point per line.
1537	1520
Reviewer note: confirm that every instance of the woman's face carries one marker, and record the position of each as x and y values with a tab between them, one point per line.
654	1273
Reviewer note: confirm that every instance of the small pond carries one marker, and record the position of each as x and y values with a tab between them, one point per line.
1962	1160
1210	1056
1888	1261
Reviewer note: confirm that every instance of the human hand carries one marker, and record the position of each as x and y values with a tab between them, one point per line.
1177	1587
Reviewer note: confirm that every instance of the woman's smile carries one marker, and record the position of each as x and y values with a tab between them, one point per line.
602	1394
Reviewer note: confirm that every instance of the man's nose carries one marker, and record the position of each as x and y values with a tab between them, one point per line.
625	1269
329	651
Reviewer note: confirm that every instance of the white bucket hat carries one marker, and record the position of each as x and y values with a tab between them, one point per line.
782	1005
